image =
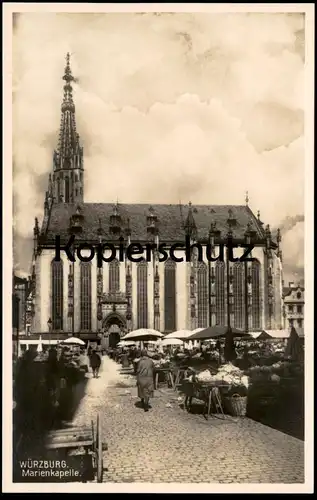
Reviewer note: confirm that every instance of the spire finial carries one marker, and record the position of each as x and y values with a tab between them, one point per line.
68	77
247	198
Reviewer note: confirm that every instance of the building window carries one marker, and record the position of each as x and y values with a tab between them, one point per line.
57	301
170	295
114	276
58	189
85	295
299	295
299	309
238	288
300	323
290	309
142	275
220	293
66	190
202	295
291	322
256	323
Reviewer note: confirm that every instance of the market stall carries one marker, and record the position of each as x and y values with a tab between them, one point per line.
224	390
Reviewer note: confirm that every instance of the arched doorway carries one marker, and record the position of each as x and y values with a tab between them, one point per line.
114	336
114	327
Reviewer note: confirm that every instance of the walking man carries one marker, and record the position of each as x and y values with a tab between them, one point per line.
95	362
145	379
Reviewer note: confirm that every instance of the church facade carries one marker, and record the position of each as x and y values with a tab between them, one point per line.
106	302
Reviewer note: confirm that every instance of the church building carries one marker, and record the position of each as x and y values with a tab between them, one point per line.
79	298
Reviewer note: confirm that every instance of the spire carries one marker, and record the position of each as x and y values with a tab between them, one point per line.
68	138
68	167
190	224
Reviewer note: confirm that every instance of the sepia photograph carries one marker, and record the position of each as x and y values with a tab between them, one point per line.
162	170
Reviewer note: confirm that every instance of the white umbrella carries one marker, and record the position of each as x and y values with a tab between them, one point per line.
179	334
74	341
197	330
126	343
172	342
144	334
39	345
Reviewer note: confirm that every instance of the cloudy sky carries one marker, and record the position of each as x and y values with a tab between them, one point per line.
170	107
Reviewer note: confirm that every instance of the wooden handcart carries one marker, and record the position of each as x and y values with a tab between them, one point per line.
87	444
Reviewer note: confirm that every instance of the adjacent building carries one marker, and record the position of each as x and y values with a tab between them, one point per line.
294	305
105	302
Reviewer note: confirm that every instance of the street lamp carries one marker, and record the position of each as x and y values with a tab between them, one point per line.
49	324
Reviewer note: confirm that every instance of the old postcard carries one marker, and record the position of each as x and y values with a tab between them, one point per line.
158	323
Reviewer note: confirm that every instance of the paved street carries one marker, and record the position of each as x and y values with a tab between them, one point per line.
169	445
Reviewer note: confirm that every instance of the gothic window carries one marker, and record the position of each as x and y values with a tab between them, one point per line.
85	295
66	190
58	189
238	288
256	323
220	293
170	295
202	289
142	275
114	276
57	301
76	178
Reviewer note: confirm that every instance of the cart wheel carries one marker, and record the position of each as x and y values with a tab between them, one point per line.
99	452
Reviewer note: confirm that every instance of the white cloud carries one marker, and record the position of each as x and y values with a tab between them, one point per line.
192	107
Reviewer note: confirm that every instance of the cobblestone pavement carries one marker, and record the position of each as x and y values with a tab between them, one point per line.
167	444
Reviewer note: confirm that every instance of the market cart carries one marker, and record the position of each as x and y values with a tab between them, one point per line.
82	443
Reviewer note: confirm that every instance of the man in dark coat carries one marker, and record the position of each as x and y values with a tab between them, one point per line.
95	362
145	379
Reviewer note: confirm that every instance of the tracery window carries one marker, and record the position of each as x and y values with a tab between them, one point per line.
142	297
256	323
114	276
57	298
238	296
202	295
170	296
66	190
220	292
85	295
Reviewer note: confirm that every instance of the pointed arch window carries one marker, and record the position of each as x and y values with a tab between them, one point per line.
66	190
220	292
255	273
238	294
170	296
57	301
142	297
202	295
114	276
85	295
58	189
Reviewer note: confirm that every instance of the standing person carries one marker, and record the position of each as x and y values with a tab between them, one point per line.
145	379
95	362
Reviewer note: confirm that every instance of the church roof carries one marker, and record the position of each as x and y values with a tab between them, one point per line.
171	220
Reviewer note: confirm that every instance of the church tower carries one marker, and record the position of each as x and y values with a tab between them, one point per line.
67	185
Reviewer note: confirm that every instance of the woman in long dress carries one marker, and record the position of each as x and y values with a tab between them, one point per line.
145	379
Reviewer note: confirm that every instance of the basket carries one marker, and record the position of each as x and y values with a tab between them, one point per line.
236	405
